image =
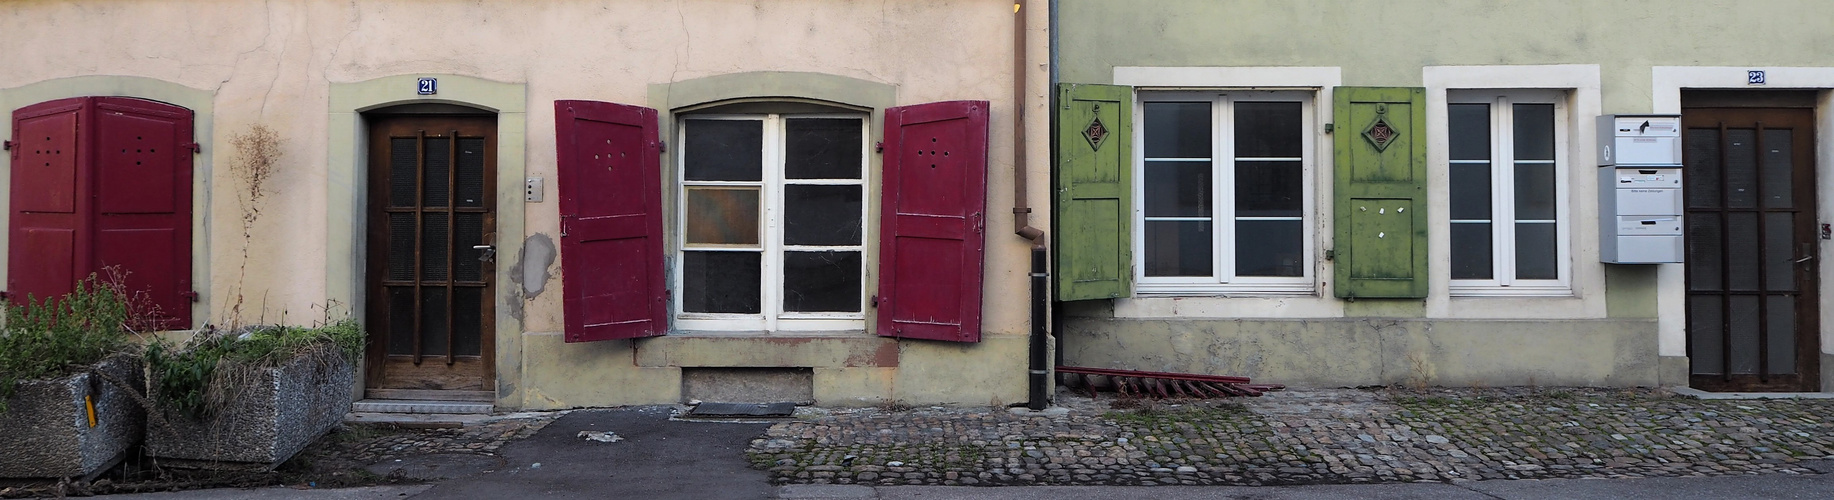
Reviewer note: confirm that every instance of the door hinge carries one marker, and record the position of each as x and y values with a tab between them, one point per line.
190	295
194	147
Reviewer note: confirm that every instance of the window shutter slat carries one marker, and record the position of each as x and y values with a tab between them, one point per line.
932	220
1094	191
43	219
1380	187
143	203
610	182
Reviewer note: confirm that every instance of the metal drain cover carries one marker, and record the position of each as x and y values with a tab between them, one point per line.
743	410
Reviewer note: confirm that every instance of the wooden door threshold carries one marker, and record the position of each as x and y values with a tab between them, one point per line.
430	395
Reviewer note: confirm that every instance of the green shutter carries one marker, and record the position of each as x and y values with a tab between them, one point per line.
1094	191
1380	188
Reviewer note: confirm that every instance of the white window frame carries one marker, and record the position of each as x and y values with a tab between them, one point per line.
1222	205
1502	195
771	316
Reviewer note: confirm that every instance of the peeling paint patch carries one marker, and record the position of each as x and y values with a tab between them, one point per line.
536	257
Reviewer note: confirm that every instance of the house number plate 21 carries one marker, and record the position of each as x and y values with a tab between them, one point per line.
428	86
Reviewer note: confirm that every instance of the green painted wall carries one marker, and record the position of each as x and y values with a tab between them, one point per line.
1385	43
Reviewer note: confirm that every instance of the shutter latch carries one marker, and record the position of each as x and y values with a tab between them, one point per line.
190	295
563	224
194	147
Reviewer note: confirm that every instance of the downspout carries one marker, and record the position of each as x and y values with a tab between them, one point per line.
1022	223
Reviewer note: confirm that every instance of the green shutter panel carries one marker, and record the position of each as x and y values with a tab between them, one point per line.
1380	188
1094	191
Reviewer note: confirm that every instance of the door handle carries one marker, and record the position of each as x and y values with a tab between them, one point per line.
489	252
1805	259
1808	252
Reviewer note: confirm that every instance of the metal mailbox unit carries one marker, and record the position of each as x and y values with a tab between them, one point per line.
1639	189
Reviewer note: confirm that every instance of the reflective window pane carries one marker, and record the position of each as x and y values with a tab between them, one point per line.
1778	168
1472	254
721	282
1537	251
1780	336
436	184
821	215
1177	129
1468	128
1742	250
1177	189
1269	188
723	150
1706	331
1741	168
1269	130
1704	239
1534	129
1470	191
1745	342
722	216
823	148
1535	191
1270	248
1701	157
1780	251
1179	248
821	281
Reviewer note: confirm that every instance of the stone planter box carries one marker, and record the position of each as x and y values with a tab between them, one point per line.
287	408
45	431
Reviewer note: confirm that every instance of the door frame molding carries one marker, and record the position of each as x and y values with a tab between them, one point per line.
1666	84
347	184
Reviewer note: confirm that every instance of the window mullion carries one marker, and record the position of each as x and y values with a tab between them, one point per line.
1503	221
1222	196
772	251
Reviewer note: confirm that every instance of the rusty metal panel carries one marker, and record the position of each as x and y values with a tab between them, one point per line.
932	220
610	181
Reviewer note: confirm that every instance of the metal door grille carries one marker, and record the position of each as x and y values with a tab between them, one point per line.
434	284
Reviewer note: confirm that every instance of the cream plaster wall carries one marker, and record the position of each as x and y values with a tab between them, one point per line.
275	63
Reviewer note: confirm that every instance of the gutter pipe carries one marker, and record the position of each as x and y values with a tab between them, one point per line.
1039	370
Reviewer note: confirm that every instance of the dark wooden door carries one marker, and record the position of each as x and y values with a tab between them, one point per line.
1751	243
432	220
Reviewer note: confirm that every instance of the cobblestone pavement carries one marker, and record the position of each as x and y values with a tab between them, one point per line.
1305	437
355	446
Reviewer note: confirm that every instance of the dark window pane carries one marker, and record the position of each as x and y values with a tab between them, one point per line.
1468	128
403	167
1742	250
1179	248
821	281
1744	323
1778	168
467	321
722	216
1741	168
1780	251
822	148
721	282
468	234
821	215
1535	191
437	181
1472	254
1534	131
1537	251
400	319
1706	335
1269	188
433	321
1177	189
1269	130
1470	191
1780	347
1704	239
1702	159
434	248
723	150
1177	130
471	172
1269	248
401	246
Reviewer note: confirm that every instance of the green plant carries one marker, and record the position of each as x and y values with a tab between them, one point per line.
209	371
61	336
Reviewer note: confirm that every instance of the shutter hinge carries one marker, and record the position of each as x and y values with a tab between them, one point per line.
9	145
5	295
662	146
1329	127
877	147
194	147
875	300
190	295
1330	253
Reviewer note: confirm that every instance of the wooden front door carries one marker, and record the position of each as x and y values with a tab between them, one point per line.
1751	246
432	221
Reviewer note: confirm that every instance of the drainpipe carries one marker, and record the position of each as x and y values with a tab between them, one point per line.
1022	223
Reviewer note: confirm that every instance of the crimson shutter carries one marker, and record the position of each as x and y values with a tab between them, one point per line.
47	246
935	190
610	183
142	179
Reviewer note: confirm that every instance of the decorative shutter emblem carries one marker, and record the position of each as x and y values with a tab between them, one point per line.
1379	133
1096	133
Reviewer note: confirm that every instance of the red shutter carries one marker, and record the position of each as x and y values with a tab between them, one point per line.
609	164
935	190
142	172
46	228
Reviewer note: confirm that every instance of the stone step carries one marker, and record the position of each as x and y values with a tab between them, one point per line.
421	406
